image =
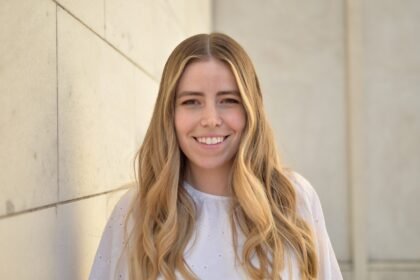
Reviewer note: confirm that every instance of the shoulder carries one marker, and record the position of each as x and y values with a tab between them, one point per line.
310	209
116	220
122	207
303	188
113	239
124	202
306	196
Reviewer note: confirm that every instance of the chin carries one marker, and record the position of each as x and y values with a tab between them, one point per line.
212	164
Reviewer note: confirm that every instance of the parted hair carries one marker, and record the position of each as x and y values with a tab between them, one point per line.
264	203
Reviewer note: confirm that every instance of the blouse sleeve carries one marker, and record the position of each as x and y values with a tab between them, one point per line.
310	208
109	262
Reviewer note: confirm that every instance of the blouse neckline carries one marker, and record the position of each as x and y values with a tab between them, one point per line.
203	195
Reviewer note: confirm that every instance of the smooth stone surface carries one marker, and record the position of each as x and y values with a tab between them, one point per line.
146	31
347	275
145	100
28	105
298	51
194	16
80	227
98	91
394	275
28	247
91	13
392	87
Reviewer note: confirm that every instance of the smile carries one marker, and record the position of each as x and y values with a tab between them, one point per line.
211	140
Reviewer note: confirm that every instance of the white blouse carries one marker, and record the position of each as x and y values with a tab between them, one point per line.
210	254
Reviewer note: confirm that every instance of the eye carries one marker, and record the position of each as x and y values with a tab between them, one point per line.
230	101
190	102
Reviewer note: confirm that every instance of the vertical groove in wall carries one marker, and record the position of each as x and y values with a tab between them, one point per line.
347	144
212	15
104	18
57	101
354	92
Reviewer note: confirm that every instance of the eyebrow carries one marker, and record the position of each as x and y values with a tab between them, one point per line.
198	93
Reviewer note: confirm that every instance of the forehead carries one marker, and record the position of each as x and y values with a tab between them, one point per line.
207	75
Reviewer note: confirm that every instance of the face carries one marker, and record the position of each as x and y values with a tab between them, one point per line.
209	115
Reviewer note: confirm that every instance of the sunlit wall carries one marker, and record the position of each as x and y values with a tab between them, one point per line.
78	80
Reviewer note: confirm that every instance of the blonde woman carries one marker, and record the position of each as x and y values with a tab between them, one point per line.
213	200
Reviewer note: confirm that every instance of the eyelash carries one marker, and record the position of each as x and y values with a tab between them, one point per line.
230	100
226	100
189	102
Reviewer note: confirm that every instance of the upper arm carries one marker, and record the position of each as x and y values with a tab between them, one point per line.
309	207
110	250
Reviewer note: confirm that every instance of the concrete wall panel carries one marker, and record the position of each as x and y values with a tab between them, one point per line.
28	115
347	275
144	101
91	13
97	90
80	226
194	16
28	247
392	87
145	30
298	51
393	275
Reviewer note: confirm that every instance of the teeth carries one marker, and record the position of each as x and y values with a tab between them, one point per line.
210	140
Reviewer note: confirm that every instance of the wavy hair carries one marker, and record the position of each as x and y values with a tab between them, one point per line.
264	200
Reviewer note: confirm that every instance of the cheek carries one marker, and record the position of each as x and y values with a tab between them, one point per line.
178	121
182	123
180	130
237	120
242	121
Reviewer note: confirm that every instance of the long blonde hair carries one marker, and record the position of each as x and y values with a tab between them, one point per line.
264	199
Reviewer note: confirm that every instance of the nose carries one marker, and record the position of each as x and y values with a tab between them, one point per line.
211	117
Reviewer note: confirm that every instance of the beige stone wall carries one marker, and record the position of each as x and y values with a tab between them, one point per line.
341	82
78	80
392	93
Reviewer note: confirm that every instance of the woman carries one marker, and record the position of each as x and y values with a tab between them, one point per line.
213	200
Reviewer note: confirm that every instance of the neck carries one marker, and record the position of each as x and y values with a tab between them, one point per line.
213	181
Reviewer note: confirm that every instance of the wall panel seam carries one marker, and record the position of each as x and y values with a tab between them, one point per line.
395	265
353	38
125	187
104	18
134	63
212	15
57	104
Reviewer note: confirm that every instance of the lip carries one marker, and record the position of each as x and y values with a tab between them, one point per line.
211	135
211	145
